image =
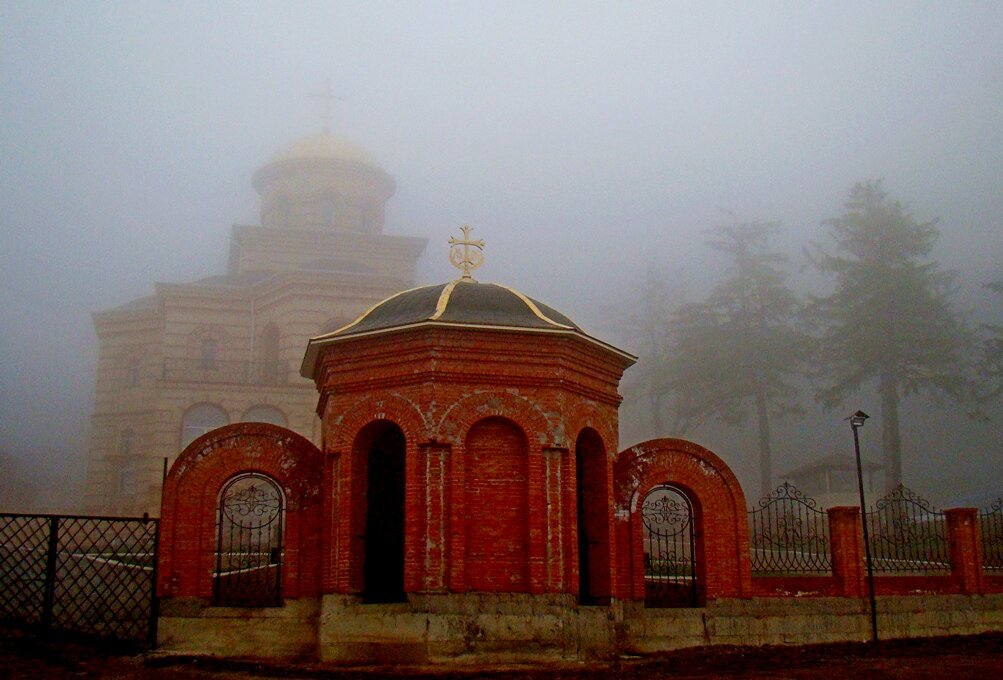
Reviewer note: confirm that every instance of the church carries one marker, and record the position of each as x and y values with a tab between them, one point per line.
353	469
225	349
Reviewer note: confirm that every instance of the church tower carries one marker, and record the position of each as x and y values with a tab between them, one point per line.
224	349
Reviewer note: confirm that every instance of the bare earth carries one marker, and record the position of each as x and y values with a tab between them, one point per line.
23	655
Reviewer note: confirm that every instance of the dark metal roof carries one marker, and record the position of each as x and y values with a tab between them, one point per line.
459	302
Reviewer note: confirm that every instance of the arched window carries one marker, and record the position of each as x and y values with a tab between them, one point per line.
265	414
280	211
200	419
125	439
207	355
132	372
270	370
326	213
126	484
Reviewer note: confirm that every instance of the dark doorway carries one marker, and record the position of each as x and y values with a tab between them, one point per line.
384	533
593	519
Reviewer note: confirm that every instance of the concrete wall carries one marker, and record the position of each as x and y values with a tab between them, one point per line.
510	627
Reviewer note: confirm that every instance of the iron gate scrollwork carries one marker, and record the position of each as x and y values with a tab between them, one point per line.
991	530
788	535
908	535
249	543
669	555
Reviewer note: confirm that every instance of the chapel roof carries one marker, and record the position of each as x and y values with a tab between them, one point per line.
463	303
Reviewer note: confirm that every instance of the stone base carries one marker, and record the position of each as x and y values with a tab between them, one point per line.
508	628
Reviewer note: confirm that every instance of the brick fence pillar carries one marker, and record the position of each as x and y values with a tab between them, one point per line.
847	543
966	548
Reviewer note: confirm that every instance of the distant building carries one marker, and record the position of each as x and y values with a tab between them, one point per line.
226	349
832	480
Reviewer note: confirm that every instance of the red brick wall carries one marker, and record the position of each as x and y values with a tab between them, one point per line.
441	387
721	524
497	518
189	508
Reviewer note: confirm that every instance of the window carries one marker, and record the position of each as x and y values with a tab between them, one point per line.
200	419
125	439
208	354
327	210
126	481
132	372
265	414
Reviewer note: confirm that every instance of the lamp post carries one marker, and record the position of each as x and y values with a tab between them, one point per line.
857	421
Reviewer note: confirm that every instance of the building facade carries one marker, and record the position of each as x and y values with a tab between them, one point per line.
225	349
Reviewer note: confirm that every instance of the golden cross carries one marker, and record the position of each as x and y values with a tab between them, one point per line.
462	254
327	98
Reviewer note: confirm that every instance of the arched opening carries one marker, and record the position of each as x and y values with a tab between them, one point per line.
199	419
669	545
591	472
497	507
249	523
262	413
379	457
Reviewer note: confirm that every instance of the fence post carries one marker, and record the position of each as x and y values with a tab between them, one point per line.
847	544
966	548
48	594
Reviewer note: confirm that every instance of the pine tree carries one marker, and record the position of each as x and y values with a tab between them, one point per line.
891	320
738	351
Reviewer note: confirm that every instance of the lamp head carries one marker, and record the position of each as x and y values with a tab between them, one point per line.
857	419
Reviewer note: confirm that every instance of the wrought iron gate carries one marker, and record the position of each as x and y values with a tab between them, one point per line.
91	575
249	543
669	555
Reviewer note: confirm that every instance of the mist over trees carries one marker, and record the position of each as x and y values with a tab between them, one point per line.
892	318
754	346
739	351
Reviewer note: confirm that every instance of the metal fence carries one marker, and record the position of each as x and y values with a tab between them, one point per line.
991	528
789	535
908	535
91	575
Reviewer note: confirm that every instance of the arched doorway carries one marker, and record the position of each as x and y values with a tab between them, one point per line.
593	519
248	571
670	574
381	449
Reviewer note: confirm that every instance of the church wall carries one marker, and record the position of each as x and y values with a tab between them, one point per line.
439	404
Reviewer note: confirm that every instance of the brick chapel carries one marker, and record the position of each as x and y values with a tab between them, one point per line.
466	494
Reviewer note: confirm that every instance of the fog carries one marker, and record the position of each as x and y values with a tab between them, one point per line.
585	142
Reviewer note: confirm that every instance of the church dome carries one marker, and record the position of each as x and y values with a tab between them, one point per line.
325	146
458	303
464	303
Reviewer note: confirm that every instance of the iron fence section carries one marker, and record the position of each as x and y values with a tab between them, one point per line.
991	529
789	535
908	535
91	575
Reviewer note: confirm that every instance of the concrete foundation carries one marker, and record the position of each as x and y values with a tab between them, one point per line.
502	628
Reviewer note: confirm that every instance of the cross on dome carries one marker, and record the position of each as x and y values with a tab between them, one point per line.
466	254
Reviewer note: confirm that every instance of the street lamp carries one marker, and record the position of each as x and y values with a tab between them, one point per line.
857	421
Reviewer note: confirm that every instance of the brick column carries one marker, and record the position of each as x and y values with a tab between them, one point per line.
434	475
966	548
847	544
553	464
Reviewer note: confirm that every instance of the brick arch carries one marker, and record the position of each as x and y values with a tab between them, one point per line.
587	414
191	490
722	530
339	437
463	414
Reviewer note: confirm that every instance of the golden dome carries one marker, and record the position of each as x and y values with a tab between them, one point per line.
327	147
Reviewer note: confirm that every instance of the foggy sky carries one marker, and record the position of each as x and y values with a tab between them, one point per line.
581	140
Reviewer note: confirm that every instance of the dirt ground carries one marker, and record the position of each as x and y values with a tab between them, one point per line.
23	655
